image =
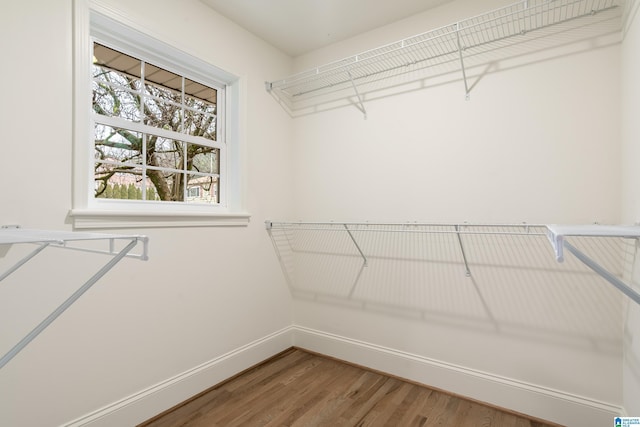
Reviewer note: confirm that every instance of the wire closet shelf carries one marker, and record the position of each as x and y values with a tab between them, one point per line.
450	41
560	238
114	246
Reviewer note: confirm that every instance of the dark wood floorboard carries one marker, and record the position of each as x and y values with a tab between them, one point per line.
297	388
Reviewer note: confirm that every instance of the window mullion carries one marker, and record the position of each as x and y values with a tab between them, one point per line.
143	113
144	167
169	134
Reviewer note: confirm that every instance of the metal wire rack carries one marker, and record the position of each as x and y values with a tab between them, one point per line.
350	247
116	248
451	43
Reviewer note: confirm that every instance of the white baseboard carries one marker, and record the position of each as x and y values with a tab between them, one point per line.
152	401
530	399
540	402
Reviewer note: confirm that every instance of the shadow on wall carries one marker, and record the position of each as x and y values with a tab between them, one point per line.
631	350
499	280
632	358
437	60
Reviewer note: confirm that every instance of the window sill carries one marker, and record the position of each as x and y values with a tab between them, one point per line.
89	219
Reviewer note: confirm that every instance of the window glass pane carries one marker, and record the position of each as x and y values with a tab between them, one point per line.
113	101
203	159
166	186
202	189
200	110
116	61
151	192
163	112
117	144
111	184
115	84
165	153
160	82
197	124
163	101
195	91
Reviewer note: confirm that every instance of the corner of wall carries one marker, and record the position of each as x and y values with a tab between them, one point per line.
156	399
529	399
630	197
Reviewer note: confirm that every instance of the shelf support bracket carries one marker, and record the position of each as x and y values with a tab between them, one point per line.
356	243
66	304
467	272
623	287
464	73
355	89
23	261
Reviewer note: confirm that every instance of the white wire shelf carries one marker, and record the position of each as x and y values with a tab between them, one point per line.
67	240
449	43
558	233
459	237
117	247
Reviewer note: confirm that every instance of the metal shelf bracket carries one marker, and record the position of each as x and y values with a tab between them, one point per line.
464	40
557	236
346	227
57	239
622	286
464	72
355	89
464	255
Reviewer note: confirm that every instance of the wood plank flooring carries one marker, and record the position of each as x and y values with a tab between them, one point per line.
297	388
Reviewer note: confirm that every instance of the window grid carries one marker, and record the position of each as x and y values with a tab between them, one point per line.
182	139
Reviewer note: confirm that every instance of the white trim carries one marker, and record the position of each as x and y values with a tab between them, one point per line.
102	219
530	399
88	212
81	99
153	400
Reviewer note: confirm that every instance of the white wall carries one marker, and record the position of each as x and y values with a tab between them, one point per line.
631	199
538	142
203	293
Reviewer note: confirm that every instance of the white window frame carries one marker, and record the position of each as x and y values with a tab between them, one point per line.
94	21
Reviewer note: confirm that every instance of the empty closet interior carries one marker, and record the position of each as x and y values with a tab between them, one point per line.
450	198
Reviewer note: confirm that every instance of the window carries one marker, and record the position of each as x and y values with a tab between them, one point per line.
155	132
156	136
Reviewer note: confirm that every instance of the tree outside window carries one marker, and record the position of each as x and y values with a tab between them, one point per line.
155	132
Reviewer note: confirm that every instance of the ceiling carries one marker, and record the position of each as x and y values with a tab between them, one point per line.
300	26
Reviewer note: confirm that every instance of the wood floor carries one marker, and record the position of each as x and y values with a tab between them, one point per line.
297	388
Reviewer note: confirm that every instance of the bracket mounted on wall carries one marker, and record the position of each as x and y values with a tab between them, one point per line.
473	36
556	234
355	89
12	235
